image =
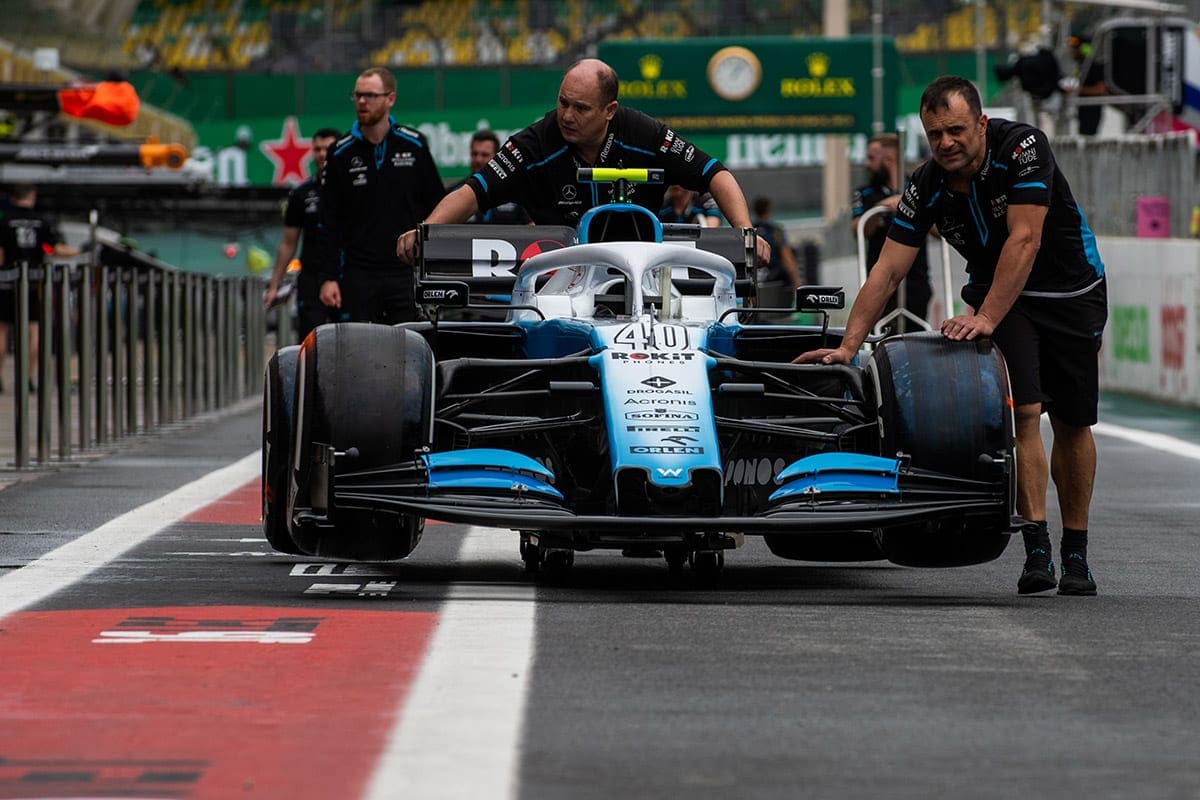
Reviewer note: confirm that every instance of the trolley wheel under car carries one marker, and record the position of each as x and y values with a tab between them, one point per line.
366	389
707	563
531	554
279	414
556	563
676	556
947	406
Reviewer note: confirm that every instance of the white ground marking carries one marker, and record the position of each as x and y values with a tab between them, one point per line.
1156	441
459	731
69	563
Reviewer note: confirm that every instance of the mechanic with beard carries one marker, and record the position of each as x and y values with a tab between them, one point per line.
883	171
536	167
1035	286
379	180
484	144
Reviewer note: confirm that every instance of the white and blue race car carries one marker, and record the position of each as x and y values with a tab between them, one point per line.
626	394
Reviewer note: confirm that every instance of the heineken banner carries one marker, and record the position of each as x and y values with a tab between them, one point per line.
266	151
758	84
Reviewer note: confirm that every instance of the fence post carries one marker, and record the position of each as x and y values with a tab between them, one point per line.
21	341
131	388
45	336
87	353
118	353
64	363
102	365
149	349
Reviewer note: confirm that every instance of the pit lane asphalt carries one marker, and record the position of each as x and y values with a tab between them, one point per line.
785	680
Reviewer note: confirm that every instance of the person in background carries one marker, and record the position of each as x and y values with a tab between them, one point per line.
25	235
883	189
1089	83
537	166
1036	288
782	266
683	205
484	144
302	216
379	180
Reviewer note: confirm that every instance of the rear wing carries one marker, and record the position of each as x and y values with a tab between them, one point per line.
486	257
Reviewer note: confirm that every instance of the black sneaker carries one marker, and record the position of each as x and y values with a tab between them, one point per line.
1077	578
1038	575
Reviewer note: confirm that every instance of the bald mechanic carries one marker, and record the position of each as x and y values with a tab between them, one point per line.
536	166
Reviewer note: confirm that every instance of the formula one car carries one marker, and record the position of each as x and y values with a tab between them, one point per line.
631	397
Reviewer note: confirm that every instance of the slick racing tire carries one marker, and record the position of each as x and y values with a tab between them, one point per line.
947	406
279	414
364	389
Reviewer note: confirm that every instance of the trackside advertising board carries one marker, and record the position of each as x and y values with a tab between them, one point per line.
758	84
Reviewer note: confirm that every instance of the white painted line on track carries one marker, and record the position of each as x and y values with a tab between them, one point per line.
1156	441
459	732
69	563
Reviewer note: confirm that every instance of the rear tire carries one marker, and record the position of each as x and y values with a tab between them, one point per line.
947	406
366	387
279	414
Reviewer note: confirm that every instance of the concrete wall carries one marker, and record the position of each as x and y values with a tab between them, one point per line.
1152	342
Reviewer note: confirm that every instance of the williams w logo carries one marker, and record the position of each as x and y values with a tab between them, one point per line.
669	472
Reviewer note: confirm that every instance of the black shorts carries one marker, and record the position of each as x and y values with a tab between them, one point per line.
1051	346
310	311
8	304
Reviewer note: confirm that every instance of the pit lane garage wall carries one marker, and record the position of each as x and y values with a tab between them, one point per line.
1151	346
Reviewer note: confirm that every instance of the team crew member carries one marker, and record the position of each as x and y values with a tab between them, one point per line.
1036	287
484	144
380	180
683	205
302	214
25	235
536	166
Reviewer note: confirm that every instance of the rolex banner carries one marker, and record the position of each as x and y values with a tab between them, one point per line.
759	84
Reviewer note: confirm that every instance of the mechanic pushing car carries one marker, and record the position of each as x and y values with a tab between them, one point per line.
537	166
1036	287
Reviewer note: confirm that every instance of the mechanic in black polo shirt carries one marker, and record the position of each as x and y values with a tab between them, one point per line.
380	180
1036	287
536	167
302	215
26	235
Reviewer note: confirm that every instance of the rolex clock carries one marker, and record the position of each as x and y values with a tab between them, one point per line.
734	73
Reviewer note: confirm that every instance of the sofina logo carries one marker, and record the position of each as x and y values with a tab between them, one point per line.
818	83
650	84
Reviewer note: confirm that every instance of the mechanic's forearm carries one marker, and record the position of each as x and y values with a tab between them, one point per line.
1012	271
283	256
458	206
728	194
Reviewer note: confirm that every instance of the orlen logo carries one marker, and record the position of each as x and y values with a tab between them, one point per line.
821	298
439	294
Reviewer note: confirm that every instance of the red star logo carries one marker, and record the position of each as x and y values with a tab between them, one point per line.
289	154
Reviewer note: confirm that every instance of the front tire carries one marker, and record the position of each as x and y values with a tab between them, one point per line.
279	414
365	389
946	405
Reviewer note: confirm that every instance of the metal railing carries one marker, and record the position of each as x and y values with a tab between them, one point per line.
127	345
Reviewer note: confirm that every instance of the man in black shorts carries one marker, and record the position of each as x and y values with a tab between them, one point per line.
302	215
536	167
1036	287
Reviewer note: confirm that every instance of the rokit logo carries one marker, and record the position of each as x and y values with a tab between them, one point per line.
657	358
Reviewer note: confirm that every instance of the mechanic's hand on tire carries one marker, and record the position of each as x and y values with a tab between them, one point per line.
331	294
967	326
827	355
